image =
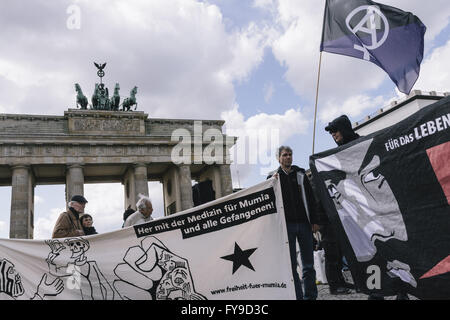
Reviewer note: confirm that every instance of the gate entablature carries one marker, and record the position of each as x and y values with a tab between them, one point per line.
91	146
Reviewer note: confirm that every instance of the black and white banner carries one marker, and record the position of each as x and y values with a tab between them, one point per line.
235	247
388	194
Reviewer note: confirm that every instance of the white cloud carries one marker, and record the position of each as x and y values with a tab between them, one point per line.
178	53
43	226
259	136
248	50
435	71
38	200
353	107
344	81
264	4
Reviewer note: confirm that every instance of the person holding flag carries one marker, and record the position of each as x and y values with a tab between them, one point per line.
386	36
342	132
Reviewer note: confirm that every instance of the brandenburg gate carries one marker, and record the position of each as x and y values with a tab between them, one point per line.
103	146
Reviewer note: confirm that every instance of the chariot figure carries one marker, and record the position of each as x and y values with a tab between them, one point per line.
100	99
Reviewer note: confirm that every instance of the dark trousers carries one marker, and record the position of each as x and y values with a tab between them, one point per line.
333	258
302	233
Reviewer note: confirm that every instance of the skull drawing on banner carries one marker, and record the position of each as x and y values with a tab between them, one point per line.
78	247
59	257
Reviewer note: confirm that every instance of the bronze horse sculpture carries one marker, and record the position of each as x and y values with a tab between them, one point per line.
115	99
82	101
95	97
129	102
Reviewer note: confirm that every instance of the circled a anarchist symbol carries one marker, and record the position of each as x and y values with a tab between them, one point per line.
369	24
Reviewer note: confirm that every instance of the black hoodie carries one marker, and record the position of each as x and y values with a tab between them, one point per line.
344	126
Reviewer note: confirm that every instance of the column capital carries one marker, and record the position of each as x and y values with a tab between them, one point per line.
139	164
20	166
75	165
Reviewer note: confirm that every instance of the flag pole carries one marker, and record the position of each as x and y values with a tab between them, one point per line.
317	97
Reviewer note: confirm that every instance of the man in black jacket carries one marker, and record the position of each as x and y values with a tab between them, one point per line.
299	209
342	132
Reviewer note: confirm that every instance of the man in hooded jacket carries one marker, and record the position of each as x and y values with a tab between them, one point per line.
342	132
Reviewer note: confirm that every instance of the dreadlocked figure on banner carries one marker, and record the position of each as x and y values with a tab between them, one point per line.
11	286
366	205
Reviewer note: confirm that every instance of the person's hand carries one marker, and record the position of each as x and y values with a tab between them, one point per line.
276	175
315	228
53	288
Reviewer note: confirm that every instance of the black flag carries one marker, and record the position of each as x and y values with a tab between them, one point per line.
387	36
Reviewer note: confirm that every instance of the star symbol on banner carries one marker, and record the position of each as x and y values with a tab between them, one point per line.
240	258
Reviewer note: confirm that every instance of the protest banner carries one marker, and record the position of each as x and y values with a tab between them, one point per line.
232	248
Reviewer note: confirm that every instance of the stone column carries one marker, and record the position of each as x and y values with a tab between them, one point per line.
74	181
140	180
22	203
225	179
135	182
184	180
128	183
171	191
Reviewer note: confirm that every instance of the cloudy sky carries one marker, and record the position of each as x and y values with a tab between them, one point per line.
252	63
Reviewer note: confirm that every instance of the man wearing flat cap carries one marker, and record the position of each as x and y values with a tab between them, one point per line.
68	223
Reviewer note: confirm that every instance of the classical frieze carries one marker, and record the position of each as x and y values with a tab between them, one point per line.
82	150
122	126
